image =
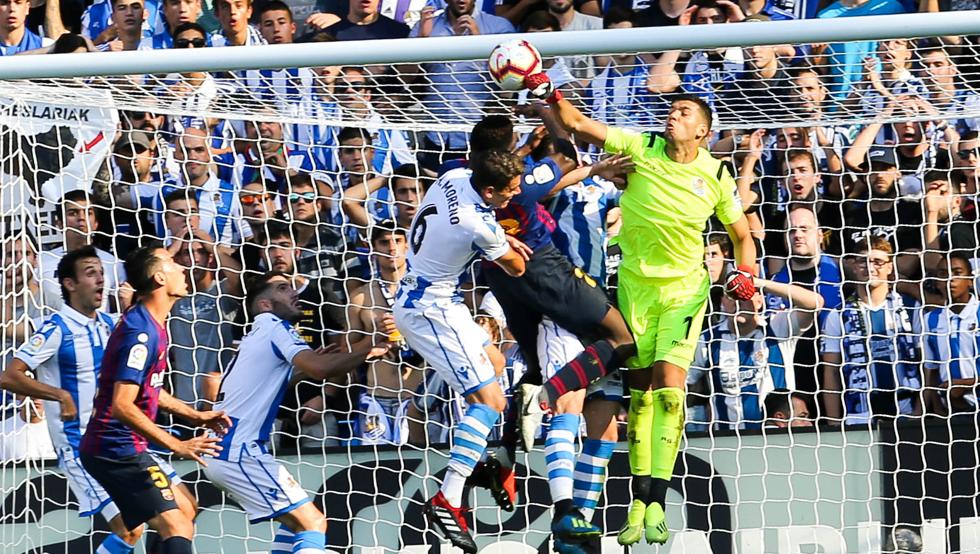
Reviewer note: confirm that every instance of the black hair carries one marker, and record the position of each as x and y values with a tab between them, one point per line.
540	19
179	194
279	230
618	14
384	228
961	255
495	168
778	400
406	171
300	180
256	286
350	133
68	43
703	106
67	266
188	26
275	6
77	195
492	132
140	267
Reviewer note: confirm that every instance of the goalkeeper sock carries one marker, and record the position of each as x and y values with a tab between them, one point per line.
113	544
282	543
309	542
590	474
178	545
589	366
666	432
639	423
559	454
469	443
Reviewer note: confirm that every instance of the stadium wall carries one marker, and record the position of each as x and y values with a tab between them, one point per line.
810	488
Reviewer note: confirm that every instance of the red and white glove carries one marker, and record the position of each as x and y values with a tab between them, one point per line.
740	284
539	85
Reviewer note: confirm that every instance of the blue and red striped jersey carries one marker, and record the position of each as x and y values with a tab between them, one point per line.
136	353
525	217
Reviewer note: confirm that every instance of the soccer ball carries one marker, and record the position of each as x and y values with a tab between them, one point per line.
512	61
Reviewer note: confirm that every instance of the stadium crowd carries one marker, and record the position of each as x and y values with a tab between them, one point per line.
875	224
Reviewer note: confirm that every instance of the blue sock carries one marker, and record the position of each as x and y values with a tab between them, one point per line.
590	474
309	542
114	545
559	454
469	443
282	543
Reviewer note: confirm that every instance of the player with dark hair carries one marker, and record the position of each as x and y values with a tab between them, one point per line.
663	285
114	446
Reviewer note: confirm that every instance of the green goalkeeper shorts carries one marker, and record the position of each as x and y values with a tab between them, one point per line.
665	315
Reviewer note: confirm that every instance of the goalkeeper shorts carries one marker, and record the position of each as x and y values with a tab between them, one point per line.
665	316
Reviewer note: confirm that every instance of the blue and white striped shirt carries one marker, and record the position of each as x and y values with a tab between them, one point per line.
98	17
952	343
580	211
67	353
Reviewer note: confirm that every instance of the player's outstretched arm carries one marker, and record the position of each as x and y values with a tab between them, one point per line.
16	380
571	118
320	365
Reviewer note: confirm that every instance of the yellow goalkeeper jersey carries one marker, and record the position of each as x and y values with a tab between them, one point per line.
667	204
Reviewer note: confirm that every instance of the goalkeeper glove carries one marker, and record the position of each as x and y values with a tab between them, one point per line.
740	284
540	86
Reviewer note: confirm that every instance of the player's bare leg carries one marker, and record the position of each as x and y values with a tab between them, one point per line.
176	530
656	424
302	530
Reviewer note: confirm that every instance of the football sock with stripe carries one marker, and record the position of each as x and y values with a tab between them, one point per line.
113	544
469	443
591	364
559	454
666	433
590	474
282	543
309	542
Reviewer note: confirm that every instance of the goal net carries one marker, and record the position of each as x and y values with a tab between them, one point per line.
834	414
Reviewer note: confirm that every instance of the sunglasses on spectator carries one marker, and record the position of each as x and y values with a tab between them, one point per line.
254	198
356	86
965	154
137	116
304	196
185	42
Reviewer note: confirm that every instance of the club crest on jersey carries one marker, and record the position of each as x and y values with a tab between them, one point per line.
137	357
698	186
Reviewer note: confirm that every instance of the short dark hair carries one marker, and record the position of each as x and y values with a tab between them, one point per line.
723	242
112	3
495	168
68	43
384	228
217	3
279	230
703	106
778	400
351	133
189	26
141	265
802	153
961	255
179	194
67	266
540	19
492	132
257	285
300	180
618	14
275	6
77	195
406	171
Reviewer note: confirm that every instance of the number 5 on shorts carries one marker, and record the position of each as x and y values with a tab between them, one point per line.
158	477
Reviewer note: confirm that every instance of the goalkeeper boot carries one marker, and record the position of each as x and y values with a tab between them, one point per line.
656	524
632	530
451	522
573	527
563	547
529	414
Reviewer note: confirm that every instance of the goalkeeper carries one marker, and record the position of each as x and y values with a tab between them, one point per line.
663	285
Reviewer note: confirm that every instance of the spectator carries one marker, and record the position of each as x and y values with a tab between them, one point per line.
944	84
657	13
132	161
885	77
75	219
750	352
570	19
364	22
621	94
872	347
966	173
762	87
200	323
321	246
15	37
276	22
846	58
181	214
99	26
71	44
945	227
457	90
219	210
175	14
259	207
784	408
310	410
193	91
389	380
54	18
354	153
267	156
235	29
557	69
165	168
951	349
22	297
126	30
405	186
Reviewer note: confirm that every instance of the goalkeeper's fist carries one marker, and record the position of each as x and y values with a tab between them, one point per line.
539	85
740	284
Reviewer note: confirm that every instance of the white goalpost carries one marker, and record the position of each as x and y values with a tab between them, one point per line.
350	118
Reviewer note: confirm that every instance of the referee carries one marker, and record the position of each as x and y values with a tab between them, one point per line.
663	285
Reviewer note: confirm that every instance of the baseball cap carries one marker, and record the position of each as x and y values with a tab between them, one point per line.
137	141
884	155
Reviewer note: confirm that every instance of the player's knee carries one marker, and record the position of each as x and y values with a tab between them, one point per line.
174	523
187	502
571	403
129	536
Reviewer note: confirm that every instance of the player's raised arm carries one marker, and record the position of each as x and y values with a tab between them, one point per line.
320	365
539	85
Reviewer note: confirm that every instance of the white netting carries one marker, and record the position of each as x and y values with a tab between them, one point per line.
222	154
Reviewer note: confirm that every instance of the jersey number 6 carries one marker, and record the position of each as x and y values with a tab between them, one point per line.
418	226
